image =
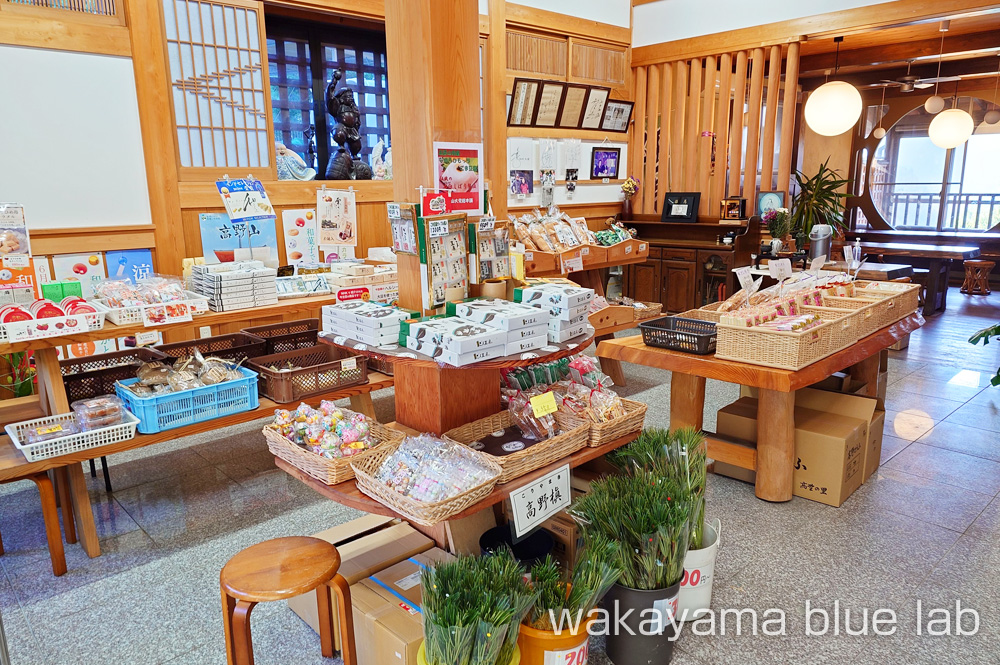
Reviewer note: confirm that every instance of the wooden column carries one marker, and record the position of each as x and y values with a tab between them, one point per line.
705	141
648	189
636	158
736	127
692	130
753	129
677	127
666	124
496	104
770	121
722	131
786	149
155	99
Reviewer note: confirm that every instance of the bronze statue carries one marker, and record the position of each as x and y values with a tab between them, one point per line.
340	104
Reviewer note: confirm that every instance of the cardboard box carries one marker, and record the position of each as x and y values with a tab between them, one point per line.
388	622
366	545
567	536
829	446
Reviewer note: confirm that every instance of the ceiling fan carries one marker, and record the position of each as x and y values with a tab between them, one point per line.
909	83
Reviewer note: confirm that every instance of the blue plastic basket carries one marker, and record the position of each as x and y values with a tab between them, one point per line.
196	405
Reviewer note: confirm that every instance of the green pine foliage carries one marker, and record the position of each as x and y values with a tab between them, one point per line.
593	576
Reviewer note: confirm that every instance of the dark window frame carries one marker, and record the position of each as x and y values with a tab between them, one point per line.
319	36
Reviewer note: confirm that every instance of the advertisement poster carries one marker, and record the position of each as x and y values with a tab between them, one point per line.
457	169
301	241
13	232
131	264
20	279
338	217
223	240
84	349
88	269
245	199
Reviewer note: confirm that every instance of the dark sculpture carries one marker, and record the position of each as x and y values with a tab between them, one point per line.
340	104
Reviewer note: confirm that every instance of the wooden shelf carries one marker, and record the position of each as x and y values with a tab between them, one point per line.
348	494
14	465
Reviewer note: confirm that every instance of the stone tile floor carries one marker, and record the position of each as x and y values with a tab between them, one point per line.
925	528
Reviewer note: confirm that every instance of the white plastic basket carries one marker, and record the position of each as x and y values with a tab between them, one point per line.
95	321
71	443
123	316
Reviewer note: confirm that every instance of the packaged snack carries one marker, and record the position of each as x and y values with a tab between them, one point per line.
538	235
50	431
428	468
524	417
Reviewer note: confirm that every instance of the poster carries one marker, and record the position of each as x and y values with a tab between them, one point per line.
245	199
84	349
223	240
301	241
19	280
43	273
338	217
569	154
88	269
130	264
15	246
547	150
457	169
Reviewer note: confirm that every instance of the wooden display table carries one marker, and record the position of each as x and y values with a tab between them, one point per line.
774	455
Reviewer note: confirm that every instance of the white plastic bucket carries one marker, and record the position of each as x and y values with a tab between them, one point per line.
699	572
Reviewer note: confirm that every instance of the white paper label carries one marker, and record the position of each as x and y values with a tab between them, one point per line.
16	261
393	211
605	180
679	209
574	264
817	264
410	581
529	256
55	326
584	251
147	337
437	228
849	255
779	268
535	502
628	250
486	223
577	656
746	279
667	609
348	364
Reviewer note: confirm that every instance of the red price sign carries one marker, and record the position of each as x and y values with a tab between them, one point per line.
576	656
691	577
436	203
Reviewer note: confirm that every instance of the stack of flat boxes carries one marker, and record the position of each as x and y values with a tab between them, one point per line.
240	285
366	322
526	328
382	281
453	341
567	305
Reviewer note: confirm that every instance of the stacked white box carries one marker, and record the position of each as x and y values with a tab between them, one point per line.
567	305
238	285
367	322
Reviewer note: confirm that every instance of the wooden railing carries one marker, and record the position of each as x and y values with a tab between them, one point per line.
921	211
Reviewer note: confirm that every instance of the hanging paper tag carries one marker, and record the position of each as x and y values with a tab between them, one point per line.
743	274
393	211
849	255
779	268
348	364
817	264
544	404
486	223
437	227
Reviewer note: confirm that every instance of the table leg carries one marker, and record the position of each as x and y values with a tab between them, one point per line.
51	517
937	286
66	503
775	445
687	400
867	372
363	404
85	525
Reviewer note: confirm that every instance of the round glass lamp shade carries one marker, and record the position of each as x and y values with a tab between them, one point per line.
951	128
833	108
879	132
934	104
992	117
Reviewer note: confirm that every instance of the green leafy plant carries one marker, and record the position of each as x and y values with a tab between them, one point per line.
779	222
682	456
984	337
472	609
818	200
20	382
644	515
577	596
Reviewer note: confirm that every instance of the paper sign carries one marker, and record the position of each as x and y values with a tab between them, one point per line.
131	264
224	240
457	168
487	223
338	217
746	279
245	199
817	264
14	237
535	502
301	237
55	326
575	656
393	211
146	337
159	314
544	404
666	608
16	261
779	268
88	269
435	203
437	227
348	364
573	264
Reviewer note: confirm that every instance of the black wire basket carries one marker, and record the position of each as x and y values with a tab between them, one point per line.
680	334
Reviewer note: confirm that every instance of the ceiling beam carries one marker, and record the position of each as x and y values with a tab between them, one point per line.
975	43
985	66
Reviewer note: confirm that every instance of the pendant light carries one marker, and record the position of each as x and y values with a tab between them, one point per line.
936	103
993	115
834	107
879	131
950	129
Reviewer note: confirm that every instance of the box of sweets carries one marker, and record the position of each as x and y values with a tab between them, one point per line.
370	314
496	313
567	334
457	335
563	296
379	336
541	330
556	325
450	357
564	314
528	344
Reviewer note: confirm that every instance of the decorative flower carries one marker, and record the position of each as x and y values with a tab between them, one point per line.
630	187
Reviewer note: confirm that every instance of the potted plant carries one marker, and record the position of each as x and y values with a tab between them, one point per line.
779	225
644	516
556	627
683	456
473	607
984	336
818	201
629	188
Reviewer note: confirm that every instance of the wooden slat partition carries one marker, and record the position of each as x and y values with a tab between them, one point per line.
753	128
638	132
770	119
736	127
722	130
691	128
648	187
666	125
677	138
703	135
788	116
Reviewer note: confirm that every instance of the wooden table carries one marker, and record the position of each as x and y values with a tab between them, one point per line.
878	272
774	454
939	263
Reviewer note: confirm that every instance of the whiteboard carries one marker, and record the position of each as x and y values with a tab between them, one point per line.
70	145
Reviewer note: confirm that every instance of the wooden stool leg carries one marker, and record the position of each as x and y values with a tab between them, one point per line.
1	545
66	503
326	627
51	517
363	404
242	643
228	607
348	650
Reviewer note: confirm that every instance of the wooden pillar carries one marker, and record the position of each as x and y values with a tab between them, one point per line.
786	149
692	128
736	128
753	129
770	120
648	187
722	132
495	95
637	156
704	132
666	124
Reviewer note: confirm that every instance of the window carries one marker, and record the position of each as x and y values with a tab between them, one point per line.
302	57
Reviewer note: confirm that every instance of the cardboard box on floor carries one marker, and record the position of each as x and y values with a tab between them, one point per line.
829	448
388	619
366	545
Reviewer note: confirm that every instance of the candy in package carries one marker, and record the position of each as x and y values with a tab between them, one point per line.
329	431
598	404
524	417
428	468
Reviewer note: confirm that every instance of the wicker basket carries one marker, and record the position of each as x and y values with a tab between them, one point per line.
287	336
776	348
708	312
527	460
421	512
868	319
654	309
602	433
97	375
322	368
846	328
235	347
327	471
895	303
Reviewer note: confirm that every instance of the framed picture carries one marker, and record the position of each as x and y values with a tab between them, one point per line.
549	101
522	183
769	201
572	109
680	207
522	103
734	208
593	108
616	116
604	163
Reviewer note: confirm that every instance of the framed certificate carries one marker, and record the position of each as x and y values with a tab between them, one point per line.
616	116
572	109
549	101
522	103
593	108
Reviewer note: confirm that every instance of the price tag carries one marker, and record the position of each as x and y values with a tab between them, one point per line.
628	250
529	256
746	279
849	255
16	261
393	211
605	180
147	337
437	227
486	223
584	251
574	264
348	364
817	264
544	404
535	502
575	656
779	268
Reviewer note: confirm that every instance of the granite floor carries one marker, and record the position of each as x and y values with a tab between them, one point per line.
925	528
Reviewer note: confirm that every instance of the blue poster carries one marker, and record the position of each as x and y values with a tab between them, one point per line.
223	240
131	264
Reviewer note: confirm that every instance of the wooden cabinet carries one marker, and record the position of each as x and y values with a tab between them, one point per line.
715	276
643	281
681	278
677	292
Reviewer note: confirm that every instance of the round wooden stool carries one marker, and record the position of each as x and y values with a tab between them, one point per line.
277	570
977	278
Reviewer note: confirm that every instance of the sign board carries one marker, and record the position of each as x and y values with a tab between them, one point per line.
537	501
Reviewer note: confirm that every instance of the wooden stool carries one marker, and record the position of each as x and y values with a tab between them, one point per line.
977	278
277	570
